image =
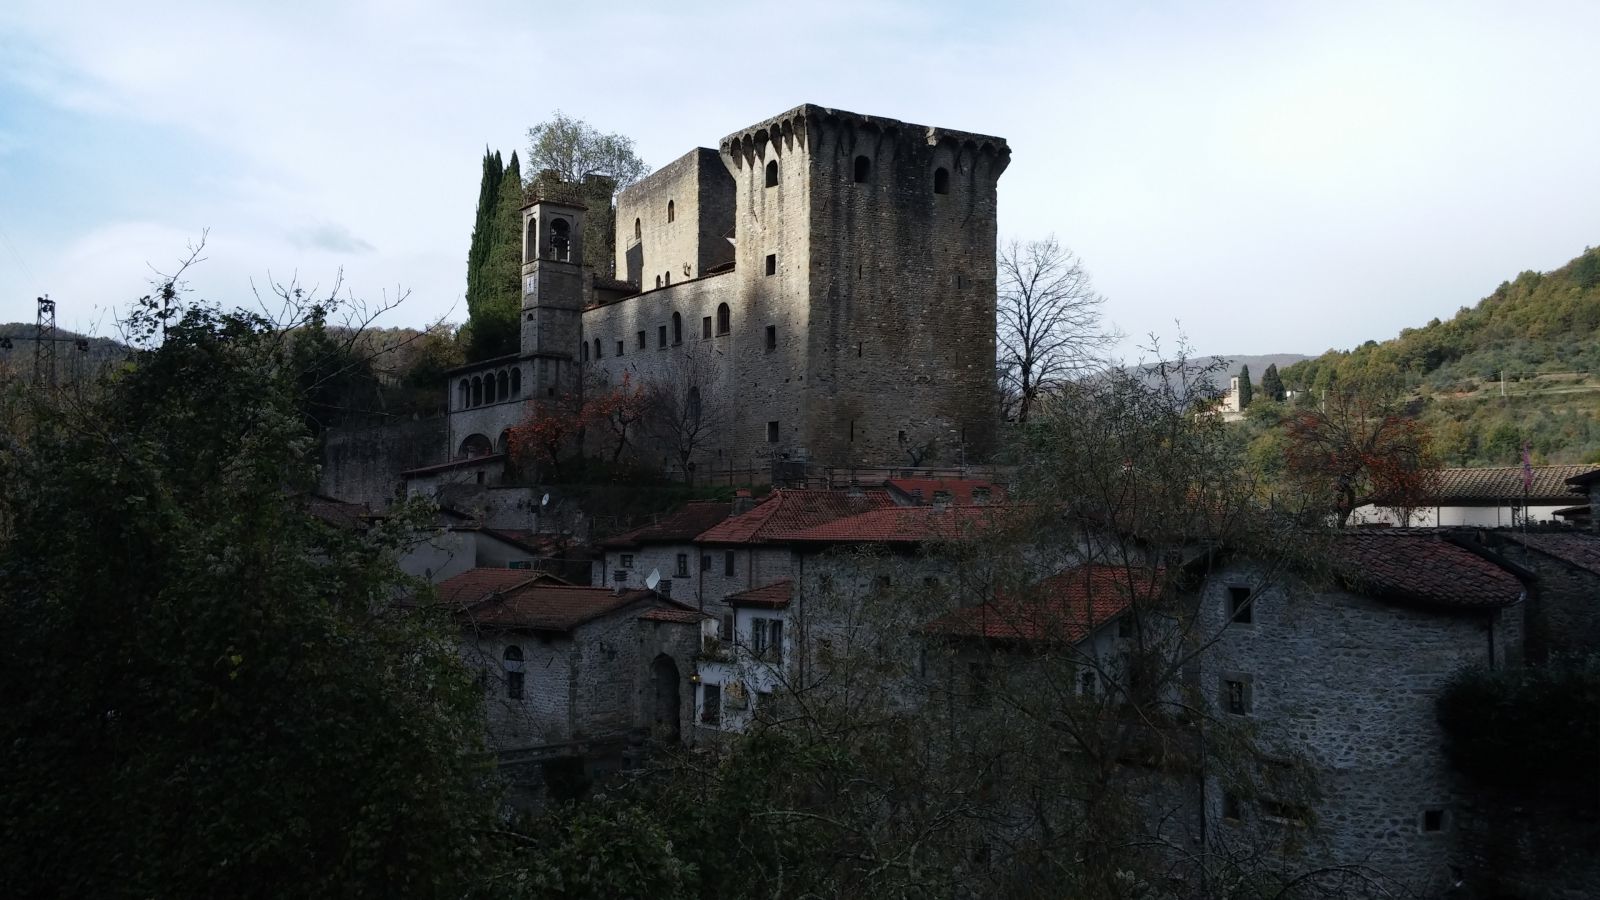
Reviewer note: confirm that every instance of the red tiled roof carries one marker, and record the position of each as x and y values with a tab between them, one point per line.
337	512
548	607
1424	568
772	596
958	490
1578	549
904	524
1504	483
681	526
789	511
467	463
673	614
475	585
1064	607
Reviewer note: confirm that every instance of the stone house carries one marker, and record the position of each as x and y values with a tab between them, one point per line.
1564	593
564	666
1491	497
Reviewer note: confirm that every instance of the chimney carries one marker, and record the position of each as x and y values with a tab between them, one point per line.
742	502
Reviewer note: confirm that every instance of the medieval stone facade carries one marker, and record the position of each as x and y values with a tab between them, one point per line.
820	288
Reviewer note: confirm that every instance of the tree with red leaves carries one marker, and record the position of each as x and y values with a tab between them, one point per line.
1360	447
619	411
547	434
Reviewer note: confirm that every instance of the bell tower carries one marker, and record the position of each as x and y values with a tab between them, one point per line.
552	293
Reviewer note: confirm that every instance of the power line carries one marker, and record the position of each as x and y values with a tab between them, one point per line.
18	257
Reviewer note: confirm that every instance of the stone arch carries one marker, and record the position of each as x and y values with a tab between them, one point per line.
477	390
475	445
561	239
667	705
530	248
502	385
503	443
464	394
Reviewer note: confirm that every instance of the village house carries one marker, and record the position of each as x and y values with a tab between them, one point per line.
1494	497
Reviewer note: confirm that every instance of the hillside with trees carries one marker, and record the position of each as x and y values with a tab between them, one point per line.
1522	365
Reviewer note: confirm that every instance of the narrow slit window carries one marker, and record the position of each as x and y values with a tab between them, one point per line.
772	432
672	211
661	337
772	337
772	263
705	327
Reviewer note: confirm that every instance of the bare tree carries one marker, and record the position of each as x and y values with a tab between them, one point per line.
1049	321
684	408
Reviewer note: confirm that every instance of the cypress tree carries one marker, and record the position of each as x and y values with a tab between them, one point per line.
1272	384
1246	390
482	229
494	324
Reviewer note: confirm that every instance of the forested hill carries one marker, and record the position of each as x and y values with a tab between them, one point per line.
1540	332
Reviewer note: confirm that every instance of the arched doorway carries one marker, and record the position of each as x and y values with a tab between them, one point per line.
667	711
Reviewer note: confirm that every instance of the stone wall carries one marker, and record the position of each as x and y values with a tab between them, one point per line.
654	252
363	465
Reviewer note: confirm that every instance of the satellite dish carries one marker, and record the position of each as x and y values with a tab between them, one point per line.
653	580
545	501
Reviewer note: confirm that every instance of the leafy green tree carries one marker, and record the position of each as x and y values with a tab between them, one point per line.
574	149
1272	384
208	691
1247	391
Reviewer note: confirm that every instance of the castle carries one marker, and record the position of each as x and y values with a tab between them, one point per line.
820	288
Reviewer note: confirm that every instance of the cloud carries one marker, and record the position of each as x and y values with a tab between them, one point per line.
330	237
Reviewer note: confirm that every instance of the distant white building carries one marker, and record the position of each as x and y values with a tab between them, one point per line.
1490	497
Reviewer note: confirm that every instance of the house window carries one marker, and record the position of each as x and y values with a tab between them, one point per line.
941	180
683	565
705	327
727	563
725	628
758	637
705	562
640	340
619	348
627	560
724	320
772	337
677	328
711	704
1236	696
978	676
1232	808
863	169
772	173
772	432
512	660
661	337
772	263
775	639
1432	820
1240	606
1283	813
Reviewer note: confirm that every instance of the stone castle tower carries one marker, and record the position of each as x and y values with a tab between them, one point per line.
821	286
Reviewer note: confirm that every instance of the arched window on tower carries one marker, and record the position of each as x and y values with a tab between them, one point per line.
863	169
464	395
596	348
638	230
677	328
561	239
512	660
723	318
502	386
772	173
477	390
672	211
530	250
941	180
516	382
583	350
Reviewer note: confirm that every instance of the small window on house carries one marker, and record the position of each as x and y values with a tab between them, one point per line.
1236	696
672	211
619	348
758	637
772	263
772	173
627	560
711	704
775	639
1432	820
1232	808
638	230
772	337
863	169
677	329
641	340
512	662
705	327
1240	606
1284	813
661	336
725	628
772	432
902	437
941	180
683	565
705	562
978	677
852	431
727	563
724	318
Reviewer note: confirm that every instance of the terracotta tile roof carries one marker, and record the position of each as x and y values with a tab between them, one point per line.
1065	607
772	596
1504	483
787	512
519	598
1423	568
1578	549
467	463
673	614
681	526
959	491
905	525
337	512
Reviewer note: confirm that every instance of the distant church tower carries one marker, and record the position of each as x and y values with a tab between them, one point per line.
552	294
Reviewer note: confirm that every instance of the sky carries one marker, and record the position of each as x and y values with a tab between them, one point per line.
1256	177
